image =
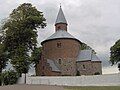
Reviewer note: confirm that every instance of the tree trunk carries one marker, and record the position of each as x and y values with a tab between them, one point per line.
36	71
25	79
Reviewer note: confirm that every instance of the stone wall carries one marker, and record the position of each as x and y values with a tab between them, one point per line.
89	67
66	51
96	80
85	67
52	51
97	67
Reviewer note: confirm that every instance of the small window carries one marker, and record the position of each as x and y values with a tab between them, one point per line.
59	61
58	27
84	66
58	44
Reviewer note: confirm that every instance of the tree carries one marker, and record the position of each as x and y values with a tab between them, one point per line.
21	35
3	54
10	77
115	53
3	58
86	47
36	56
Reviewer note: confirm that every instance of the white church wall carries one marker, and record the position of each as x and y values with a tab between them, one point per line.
97	80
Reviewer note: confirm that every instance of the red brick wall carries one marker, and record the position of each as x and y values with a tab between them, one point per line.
97	67
84	67
89	68
68	53
61	27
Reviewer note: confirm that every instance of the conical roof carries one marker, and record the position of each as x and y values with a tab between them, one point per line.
60	17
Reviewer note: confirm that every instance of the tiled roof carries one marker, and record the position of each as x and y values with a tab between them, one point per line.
95	58
85	55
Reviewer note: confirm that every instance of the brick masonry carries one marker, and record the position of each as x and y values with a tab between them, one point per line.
67	53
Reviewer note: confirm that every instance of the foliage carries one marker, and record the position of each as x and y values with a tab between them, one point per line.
78	73
21	35
115	53
85	46
36	55
10	77
3	54
0	76
119	66
3	57
96	73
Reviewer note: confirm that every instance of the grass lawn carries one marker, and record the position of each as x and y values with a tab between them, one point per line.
93	88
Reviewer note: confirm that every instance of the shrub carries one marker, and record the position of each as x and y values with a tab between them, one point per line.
10	77
96	73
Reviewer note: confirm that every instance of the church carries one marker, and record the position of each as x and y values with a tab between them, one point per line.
62	54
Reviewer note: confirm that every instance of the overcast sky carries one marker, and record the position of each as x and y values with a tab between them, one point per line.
94	22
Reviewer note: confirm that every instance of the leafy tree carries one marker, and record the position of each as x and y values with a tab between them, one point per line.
85	46
35	56
115	52
3	54
21	35
10	77
3	58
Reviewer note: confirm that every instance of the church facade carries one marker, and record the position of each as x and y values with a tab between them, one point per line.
62	55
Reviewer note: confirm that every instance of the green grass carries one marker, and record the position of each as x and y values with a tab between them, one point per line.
93	88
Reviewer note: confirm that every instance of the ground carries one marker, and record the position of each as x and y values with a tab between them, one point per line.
46	87
31	87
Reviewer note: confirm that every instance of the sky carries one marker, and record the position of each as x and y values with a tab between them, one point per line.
94	22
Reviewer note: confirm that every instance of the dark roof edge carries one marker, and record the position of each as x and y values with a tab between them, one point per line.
60	23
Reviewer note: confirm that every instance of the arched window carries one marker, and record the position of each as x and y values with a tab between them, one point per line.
59	61
83	66
58	27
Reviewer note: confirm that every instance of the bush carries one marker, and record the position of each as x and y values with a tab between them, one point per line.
78	73
96	73
10	77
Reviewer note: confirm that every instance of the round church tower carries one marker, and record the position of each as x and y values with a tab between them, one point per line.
60	50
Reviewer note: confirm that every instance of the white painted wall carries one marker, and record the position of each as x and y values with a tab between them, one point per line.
96	80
